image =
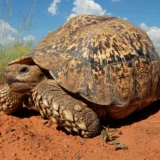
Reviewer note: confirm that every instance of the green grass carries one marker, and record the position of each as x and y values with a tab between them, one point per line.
12	52
18	47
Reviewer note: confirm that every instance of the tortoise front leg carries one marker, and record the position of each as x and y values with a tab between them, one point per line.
56	104
9	101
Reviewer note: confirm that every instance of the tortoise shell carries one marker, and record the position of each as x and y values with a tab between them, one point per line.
105	59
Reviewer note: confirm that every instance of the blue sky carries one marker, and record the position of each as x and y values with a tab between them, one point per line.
48	15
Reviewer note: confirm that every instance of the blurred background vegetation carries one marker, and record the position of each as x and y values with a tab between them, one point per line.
12	50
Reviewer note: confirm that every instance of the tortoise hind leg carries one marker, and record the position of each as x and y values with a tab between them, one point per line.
9	101
56	104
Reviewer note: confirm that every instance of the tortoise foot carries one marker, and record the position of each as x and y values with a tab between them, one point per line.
66	111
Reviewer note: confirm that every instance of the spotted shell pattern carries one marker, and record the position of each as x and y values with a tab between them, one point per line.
105	59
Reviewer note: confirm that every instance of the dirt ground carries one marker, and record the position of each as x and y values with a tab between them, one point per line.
26	136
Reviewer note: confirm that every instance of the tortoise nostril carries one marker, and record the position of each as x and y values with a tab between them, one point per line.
24	70
6	69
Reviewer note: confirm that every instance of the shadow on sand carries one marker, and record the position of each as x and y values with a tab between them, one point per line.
25	113
136	116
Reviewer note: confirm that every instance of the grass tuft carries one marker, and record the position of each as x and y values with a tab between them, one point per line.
12	50
110	136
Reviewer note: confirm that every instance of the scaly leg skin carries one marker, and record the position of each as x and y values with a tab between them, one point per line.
9	101
56	104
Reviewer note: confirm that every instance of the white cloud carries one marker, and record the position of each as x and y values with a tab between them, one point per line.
53	7
86	7
154	34
4	26
115	0
7	33
29	38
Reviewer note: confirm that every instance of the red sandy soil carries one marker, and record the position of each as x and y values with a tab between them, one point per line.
26	136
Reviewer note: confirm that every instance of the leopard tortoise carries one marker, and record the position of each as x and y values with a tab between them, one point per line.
91	68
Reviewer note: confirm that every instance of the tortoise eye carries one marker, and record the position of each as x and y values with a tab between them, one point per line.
23	70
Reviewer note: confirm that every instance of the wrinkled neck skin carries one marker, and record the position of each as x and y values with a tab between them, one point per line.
22	78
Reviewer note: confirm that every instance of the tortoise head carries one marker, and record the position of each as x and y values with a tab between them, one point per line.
23	74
